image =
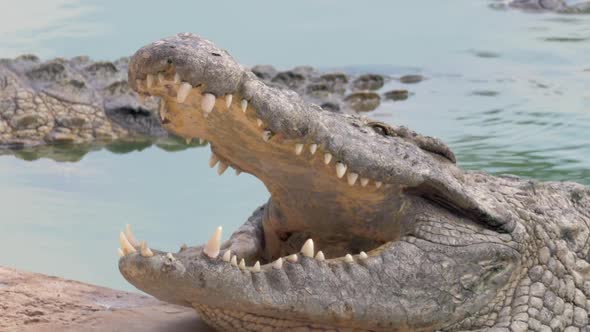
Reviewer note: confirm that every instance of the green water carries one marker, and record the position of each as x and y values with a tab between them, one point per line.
508	91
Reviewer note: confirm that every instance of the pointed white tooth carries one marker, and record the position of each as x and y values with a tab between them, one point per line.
242	264
327	158
348	258
259	122
208	102
170	257
278	264
313	148
292	258
183	91
378	184
213	160
320	256
256	267
176	78
183	247
234	260
212	247
363	255
221	167
244	105
364	182
340	169
149	81
161	78
298	148
120	252
125	245
188	140
228	100
238	172
202	141
130	236
226	256
145	250
352	178
266	135
307	250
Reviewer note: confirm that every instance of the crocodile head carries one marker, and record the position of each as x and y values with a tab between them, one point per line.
368	226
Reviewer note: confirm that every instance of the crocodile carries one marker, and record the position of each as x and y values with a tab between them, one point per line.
557	6
369	226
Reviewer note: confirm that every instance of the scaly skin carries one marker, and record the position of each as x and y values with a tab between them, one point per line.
70	101
433	247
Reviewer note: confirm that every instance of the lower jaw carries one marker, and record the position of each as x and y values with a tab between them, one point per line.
230	320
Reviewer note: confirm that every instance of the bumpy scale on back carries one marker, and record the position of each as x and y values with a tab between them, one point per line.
403	239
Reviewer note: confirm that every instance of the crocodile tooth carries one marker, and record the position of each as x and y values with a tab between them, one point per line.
212	247
213	160
292	258
202	141
242	264
320	256
207	103
161	78
183	247
266	135
352	178
307	249
364	182
125	245
183	91
378	184
170	257
149	81
226	256
278	264
130	236
298	148
145	250
259	122
238	172
256	267
313	148
327	158
176	78
120	252
340	169
188	140
228	100
234	260
363	255
348	258
221	167
244	105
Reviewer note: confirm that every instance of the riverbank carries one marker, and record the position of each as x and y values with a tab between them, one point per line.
36	302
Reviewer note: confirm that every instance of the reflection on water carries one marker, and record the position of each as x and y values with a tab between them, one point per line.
508	91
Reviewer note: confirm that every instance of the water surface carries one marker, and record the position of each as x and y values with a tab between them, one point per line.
508	91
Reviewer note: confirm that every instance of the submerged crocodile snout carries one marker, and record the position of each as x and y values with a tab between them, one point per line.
198	61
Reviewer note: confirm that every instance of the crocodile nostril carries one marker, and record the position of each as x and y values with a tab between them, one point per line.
169	61
215	54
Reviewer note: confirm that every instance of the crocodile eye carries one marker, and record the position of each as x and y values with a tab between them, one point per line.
382	129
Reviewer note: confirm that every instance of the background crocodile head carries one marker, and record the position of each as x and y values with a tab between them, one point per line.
402	238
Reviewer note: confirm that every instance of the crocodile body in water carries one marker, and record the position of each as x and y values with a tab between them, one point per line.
369	227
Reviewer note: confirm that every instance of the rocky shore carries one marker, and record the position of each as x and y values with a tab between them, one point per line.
35	302
80	101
